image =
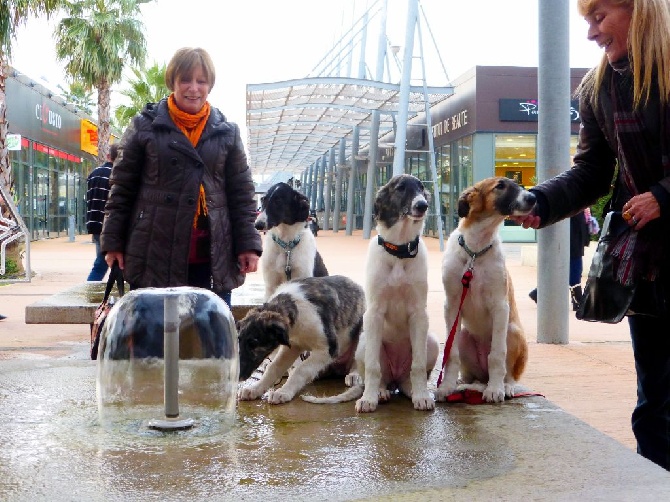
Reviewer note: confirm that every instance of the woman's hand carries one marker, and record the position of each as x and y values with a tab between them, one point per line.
247	262
530	220
640	210
113	256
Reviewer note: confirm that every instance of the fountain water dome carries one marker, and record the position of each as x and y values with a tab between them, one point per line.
168	352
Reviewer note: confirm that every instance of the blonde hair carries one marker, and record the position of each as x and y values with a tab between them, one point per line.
648	49
185	61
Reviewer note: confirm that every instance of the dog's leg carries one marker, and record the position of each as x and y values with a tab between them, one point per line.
495	390
421	398
304	372
273	372
373	321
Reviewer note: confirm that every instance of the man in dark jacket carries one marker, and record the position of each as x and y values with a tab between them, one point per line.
96	197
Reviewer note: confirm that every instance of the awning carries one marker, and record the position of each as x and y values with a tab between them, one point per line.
291	124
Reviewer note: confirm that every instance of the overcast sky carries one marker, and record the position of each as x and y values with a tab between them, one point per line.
255	41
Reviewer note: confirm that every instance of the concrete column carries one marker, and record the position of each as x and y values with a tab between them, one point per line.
553	157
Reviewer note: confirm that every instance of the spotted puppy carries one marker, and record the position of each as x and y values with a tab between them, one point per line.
489	349
322	315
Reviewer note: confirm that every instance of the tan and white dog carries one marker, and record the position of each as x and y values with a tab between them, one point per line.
395	351
489	349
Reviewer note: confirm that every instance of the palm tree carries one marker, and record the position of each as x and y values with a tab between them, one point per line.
80	95
96	39
148	86
13	14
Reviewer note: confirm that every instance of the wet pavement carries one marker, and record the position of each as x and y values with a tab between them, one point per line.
56	449
54	446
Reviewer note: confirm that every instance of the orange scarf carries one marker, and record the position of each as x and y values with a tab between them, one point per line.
192	126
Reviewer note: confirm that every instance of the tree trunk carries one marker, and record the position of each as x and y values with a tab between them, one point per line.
104	129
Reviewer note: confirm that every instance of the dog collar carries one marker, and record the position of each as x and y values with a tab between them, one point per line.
472	254
409	250
286	245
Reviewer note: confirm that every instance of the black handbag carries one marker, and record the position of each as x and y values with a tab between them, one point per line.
605	299
115	276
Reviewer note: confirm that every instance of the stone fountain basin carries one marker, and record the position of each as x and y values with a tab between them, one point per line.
54	448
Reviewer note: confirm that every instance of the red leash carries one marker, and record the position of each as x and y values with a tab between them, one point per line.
471	396
465	280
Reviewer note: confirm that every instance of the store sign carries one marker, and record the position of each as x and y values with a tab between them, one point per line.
13	142
451	123
528	110
89	137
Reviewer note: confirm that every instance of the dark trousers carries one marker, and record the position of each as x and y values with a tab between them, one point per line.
200	276
99	265
576	269
651	417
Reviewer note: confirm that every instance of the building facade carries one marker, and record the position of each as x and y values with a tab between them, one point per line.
52	148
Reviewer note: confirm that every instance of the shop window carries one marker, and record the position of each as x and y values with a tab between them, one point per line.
515	158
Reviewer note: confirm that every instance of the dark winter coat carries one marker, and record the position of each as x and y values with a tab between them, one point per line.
97	190
154	192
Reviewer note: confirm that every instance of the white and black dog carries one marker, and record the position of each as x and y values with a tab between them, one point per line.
289	248
323	315
396	351
489	347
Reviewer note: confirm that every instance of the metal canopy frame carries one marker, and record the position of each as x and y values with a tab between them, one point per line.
293	123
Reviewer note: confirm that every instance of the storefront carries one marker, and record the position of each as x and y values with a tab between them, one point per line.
488	128
52	148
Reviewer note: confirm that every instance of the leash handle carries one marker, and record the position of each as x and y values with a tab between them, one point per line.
468	275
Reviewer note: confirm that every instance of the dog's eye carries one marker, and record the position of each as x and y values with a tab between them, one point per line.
500	185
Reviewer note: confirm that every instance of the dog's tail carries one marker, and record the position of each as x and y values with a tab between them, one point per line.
350	394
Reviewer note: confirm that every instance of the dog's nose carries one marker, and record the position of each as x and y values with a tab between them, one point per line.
421	206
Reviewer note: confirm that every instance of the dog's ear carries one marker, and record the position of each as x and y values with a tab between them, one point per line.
464	203
278	332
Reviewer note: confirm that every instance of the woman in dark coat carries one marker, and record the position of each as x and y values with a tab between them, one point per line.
181	209
625	112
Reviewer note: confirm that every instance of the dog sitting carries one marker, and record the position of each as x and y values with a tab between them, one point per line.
135	326
323	315
395	351
289	247
489	347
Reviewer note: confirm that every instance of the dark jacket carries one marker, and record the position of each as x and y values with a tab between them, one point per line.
96	196
594	164
154	192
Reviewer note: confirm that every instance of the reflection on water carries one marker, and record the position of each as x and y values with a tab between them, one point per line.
55	447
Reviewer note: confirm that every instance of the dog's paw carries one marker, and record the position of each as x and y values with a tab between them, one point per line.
353	379
278	396
249	393
510	389
494	394
364	405
423	401
384	395
443	391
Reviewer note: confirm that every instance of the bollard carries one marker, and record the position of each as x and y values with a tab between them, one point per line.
71	227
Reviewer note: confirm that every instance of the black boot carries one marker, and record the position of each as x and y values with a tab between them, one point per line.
533	295
576	296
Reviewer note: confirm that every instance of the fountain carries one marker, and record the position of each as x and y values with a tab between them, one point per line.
168	360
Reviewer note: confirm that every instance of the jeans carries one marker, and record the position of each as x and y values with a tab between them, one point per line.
651	417
99	265
576	269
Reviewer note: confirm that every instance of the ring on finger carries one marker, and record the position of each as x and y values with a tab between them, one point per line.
635	221
626	215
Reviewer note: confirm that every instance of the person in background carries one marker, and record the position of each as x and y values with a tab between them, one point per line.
579	239
96	197
625	114
181	208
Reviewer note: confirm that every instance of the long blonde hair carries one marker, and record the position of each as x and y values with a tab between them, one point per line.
648	49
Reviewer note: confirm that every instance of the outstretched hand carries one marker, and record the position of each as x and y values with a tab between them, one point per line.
530	220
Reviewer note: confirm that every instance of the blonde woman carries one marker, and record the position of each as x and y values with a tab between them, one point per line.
625	111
